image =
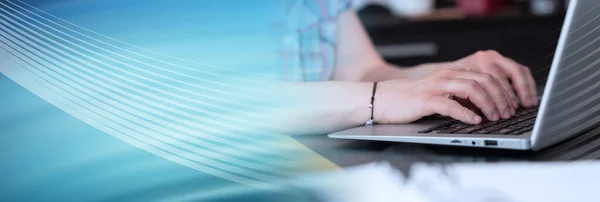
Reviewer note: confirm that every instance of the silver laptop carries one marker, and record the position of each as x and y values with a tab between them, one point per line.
570	104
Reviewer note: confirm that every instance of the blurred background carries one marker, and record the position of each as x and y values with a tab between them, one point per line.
411	32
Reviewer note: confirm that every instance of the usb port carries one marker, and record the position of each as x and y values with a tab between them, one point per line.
490	143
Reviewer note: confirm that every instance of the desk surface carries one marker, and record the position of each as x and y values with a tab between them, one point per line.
347	153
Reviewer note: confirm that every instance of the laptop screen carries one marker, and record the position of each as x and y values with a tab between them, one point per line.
571	104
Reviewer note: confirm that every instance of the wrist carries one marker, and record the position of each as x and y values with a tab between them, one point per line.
361	112
378	103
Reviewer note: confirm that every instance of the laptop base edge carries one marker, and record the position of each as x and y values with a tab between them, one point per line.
511	143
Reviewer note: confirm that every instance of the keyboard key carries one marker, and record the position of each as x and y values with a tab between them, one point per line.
454	128
509	129
469	129
484	131
526	123
513	121
440	127
490	123
530	121
522	118
527	129
487	124
497	127
522	130
530	110
520	113
504	131
516	132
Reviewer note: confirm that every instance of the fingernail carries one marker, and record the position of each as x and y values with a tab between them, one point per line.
495	115
476	119
513	111
506	112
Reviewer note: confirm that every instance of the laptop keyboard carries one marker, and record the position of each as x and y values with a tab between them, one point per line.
520	123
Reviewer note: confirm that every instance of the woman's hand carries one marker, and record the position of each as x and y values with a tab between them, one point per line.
405	101
506	71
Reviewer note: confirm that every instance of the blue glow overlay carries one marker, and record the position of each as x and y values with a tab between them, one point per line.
116	100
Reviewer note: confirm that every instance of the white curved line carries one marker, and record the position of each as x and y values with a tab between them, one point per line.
114	53
198	154
224	141
116	40
117	61
138	83
31	85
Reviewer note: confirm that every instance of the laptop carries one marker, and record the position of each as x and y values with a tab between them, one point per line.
570	104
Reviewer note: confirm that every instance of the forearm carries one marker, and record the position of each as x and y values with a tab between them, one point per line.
321	107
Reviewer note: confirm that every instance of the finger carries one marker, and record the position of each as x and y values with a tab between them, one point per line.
470	89
487	65
532	85
519	80
451	108
503	80
490	68
493	88
512	99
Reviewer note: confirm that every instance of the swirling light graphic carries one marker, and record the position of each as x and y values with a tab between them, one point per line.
200	116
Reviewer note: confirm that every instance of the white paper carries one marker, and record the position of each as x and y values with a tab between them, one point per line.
561	181
495	182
